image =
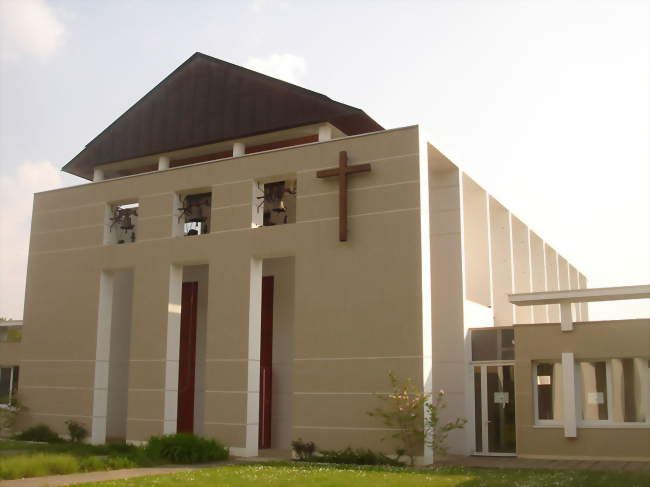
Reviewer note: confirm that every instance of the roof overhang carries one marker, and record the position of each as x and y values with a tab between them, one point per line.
581	295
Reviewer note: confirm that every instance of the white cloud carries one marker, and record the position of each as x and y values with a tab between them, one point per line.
287	67
16	197
29	27
257	6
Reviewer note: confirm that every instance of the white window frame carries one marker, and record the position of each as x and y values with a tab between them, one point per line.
543	422
607	423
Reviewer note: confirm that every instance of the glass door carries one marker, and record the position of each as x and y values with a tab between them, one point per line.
494	402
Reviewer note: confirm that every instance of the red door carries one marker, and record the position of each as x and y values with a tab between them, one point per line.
266	362
187	359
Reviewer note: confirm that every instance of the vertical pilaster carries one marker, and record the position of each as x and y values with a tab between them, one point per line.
173	348
254	339
102	357
568	396
552	281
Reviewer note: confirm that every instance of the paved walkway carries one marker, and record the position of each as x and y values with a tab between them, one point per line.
477	461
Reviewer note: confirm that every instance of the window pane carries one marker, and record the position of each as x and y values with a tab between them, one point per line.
629	381
484	344
5	379
549	391
14	382
593	377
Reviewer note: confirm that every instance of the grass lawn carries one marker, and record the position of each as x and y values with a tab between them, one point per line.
294	475
20	459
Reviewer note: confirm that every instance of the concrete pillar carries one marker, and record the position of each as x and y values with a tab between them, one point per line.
569	395
102	355
476	245
584	307
537	275
98	174
501	263
574	283
238	149
163	163
173	349
324	132
552	282
520	266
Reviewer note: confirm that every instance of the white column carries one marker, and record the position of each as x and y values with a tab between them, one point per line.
173	348
566	317
254	342
324	132
238	149
163	163
102	357
98	174
569	395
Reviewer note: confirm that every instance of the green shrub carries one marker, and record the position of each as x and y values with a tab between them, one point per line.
38	465
40	432
359	456
304	451
78	431
186	448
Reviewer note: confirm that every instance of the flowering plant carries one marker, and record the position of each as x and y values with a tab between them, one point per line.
403	414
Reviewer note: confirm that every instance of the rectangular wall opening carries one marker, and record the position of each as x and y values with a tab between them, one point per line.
121	222
191	348
276	353
274	202
193	210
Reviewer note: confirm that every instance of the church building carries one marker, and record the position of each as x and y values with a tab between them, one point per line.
250	259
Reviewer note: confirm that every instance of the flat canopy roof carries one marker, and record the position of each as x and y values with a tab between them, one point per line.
581	295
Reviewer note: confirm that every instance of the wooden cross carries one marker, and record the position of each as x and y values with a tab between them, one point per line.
342	173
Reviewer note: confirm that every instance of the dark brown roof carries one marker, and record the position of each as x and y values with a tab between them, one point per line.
206	100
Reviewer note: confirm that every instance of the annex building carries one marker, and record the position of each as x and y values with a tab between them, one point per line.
250	259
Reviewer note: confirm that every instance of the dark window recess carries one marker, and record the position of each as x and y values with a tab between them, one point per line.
545	386
493	344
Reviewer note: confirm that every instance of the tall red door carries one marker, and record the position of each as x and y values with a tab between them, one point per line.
266	363
187	359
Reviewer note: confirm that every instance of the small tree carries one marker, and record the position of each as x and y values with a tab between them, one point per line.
437	432
403	413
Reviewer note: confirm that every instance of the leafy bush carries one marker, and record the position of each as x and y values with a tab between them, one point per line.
304	451
78	432
40	432
359	456
403	414
38	465
186	448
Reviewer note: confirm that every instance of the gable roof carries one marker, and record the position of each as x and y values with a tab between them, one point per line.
207	100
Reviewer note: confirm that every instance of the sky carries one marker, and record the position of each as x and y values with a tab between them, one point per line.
544	103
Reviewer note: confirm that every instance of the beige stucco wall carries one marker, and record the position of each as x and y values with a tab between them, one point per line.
594	340
358	304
